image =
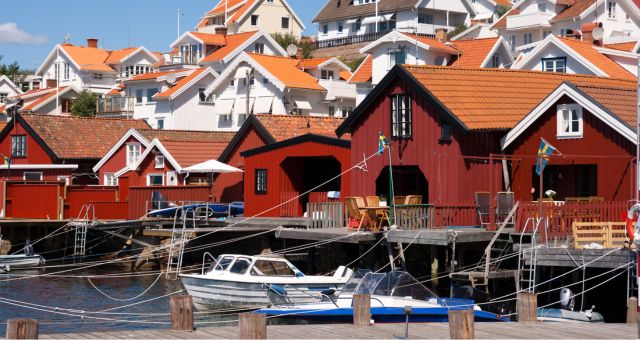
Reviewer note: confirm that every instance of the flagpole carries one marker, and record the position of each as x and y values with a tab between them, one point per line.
390	203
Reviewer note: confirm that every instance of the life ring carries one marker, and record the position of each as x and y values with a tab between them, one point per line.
632	218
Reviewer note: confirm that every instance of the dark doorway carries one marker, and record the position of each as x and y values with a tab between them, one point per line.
568	181
311	173
407	180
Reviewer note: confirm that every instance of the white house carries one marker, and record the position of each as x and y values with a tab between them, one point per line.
93	68
567	55
8	89
476	31
485	10
49	101
256	83
530	21
239	16
348	20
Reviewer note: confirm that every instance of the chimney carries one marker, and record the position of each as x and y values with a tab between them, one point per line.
221	30
92	42
441	34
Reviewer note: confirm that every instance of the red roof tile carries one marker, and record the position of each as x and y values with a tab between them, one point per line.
180	83
588	51
188	153
186	135
364	72
283	127
210	39
43	99
575	10
625	46
433	43
286	71
473	51
232	42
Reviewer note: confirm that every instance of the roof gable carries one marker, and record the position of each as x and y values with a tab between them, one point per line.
428	44
5	79
364	73
185	83
478	52
47	98
340	9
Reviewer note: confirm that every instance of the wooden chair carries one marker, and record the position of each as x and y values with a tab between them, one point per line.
373	201
413	199
483	206
399	200
505	202
353	209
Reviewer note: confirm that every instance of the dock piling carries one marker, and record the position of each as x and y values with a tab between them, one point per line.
22	329
361	309
527	307
253	326
182	313
461	324
632	310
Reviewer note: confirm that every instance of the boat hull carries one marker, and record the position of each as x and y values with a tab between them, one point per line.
17	262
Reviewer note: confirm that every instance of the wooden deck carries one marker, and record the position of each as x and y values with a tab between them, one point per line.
510	330
567	257
440	237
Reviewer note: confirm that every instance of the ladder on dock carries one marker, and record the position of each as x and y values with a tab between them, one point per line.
527	273
180	235
86	217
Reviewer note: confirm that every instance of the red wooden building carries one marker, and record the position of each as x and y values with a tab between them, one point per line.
260	130
280	173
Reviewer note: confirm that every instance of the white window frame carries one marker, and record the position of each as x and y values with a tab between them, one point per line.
258	48
66	71
110	179
512	41
19	146
160	123
555	67
391	53
611	9
563	121
161	175
134	150
159	162
24	175
495	60
529	40
66	179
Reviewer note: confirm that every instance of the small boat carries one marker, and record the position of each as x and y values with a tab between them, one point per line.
209	210
22	261
391	296
252	282
566	313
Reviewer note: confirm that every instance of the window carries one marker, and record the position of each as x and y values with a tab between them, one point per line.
110	179
97	76
56	68
565	32
512	41
32	176
155	180
445	133
160	123
400	116
133	153
611	9
232	83
150	94
265	80
325	29
204	98
66	71
357	25
397	57
258	48
554	64
542	5
254	20
496	60
569	120
261	181
285	22
272	268
3	96
332	111
159	162
545	34
528	38
347	111
19	146
269	1
240	266
327	74
340	26
425	18
139	95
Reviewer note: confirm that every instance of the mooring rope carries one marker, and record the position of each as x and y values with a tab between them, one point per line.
129	299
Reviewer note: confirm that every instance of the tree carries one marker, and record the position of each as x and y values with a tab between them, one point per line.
355	63
10	70
85	105
459	29
501	10
284	40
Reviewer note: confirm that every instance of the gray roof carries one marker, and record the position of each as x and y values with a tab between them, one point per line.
343	9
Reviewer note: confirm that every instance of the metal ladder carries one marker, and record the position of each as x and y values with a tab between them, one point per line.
81	225
179	239
527	273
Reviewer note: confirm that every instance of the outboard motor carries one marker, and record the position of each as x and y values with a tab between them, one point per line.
567	300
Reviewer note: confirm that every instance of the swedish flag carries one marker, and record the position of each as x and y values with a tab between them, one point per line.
6	160
543	156
382	143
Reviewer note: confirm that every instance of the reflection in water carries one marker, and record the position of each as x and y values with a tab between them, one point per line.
77	293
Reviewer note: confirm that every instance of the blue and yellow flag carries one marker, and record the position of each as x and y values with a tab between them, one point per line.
6	160
543	156
382	143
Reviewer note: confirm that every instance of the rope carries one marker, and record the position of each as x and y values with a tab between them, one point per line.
124	300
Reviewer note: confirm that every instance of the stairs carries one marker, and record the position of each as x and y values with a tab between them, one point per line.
180	236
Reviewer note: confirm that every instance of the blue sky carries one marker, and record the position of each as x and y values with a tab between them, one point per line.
30	28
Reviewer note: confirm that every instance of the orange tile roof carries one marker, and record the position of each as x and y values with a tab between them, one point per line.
312	62
160	57
180	83
345	75
88	58
61	134
364	72
210	39
625	46
43	99
283	127
117	55
502	22
575	10
241	11
286	70
588	51
188	153
232	42
235	13
116	91
433	43
474	51
621	101
186	135
32	92
154	75
504	3
497	99
219	8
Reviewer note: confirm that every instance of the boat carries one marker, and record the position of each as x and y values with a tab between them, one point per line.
209	210
393	295
22	261
566	313
252	282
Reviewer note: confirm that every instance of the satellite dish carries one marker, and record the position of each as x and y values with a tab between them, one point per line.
171	78
597	33
292	50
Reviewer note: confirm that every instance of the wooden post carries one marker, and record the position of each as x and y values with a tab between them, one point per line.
362	309
461	324
632	310
527	307
182	313
22	329
253	326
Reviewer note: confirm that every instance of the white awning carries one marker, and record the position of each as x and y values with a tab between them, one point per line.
483	16
224	106
263	105
303	105
381	17
241	105
351	21
242	71
211	166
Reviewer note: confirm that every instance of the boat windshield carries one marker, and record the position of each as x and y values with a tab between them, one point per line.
402	284
354	281
222	263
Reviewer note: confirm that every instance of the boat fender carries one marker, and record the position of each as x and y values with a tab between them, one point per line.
632	218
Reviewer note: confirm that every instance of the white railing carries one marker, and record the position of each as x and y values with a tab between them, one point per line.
520	21
326	215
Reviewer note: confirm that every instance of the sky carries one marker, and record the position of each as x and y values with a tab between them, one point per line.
29	29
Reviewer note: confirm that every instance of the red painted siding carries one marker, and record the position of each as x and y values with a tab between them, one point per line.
35	153
600	145
288	178
77	196
20	201
147	166
230	187
117	161
453	170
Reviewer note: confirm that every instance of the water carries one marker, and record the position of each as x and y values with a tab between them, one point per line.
78	294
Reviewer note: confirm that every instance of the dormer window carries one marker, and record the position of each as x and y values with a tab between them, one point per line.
327	74
258	48
569	121
255	20
558	65
191	54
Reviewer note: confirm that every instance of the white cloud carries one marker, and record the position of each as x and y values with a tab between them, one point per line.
10	33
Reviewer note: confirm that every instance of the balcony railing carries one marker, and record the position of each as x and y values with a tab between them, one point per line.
115	106
414	216
360	38
326	215
520	21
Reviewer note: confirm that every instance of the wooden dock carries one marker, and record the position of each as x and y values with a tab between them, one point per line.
507	330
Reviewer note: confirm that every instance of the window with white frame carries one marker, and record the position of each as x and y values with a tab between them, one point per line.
56	70
545	34
528	38
19	146
258	48
98	76
327	74
332	111
150	94
569	121
397	57
139	96
495	62
357	25
159	162
346	111
325	29
611	9
565	32
285	22
160	123
261	181
512	41
558	65
401	116
66	71
133	153
155	180
110	179
32	176
340	26
425	18
3	96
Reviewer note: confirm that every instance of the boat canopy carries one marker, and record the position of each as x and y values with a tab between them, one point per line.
395	283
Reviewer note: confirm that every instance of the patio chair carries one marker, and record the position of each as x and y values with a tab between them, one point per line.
373	201
506	201
483	207
355	213
413	199
399	200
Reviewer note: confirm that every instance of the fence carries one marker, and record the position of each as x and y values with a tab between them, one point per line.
77	196
37	200
414	216
454	215
358	39
326	215
115	105
111	210
562	216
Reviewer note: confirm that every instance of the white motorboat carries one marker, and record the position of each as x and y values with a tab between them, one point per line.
252	282
17	262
